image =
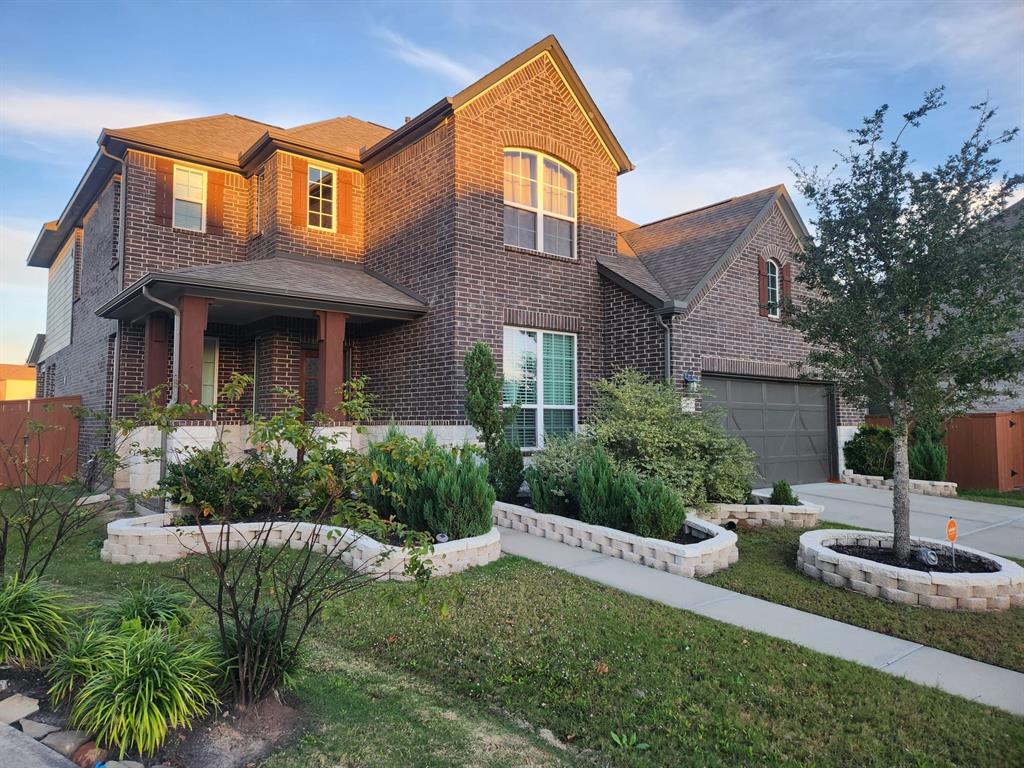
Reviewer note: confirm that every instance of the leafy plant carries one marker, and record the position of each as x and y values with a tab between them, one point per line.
606	497
628	741
552	477
869	451
204	479
660	512
33	621
782	493
154	604
456	496
76	661
485	412
928	457
149	680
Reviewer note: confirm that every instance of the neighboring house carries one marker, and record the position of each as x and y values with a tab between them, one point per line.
197	248
17	382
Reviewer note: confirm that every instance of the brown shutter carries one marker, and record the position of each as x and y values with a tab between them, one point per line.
215	203
344	202
300	192
762	286
787	287
164	212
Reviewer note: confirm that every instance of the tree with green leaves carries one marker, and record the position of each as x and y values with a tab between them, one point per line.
916	282
485	412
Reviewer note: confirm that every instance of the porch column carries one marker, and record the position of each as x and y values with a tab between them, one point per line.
154	365
190	347
332	359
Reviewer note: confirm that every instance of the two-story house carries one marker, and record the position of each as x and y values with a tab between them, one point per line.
197	248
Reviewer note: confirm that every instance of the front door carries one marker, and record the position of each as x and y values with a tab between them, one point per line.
309	382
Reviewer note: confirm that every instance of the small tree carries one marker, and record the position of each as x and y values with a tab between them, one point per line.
485	412
915	284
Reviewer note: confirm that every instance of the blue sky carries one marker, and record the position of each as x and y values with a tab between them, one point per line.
709	99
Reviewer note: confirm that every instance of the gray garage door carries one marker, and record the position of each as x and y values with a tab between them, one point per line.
787	424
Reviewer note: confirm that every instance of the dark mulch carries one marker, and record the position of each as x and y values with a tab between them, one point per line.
30	682
965	563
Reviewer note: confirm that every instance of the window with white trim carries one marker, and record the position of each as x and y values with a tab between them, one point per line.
321	199
59	298
539	370
189	198
211	355
771	276
540	203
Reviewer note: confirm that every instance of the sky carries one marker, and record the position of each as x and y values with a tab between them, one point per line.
709	99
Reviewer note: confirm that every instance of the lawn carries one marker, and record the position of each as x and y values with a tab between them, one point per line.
767	569
991	496
448	674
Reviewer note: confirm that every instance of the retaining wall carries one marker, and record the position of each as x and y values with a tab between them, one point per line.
948	591
151	539
925	487
803	515
716	552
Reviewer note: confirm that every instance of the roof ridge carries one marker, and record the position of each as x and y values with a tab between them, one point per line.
703	208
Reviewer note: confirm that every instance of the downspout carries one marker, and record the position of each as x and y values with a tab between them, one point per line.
668	344
173	397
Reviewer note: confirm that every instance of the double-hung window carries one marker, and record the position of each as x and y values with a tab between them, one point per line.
189	198
539	369
771	276
321	198
540	203
211	355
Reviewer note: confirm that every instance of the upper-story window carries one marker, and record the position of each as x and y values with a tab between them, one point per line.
540	203
189	198
771	276
321	198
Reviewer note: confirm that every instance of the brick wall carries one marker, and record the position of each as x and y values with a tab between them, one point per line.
632	336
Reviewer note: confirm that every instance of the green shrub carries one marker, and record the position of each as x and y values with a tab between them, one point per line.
729	464
148	681
153	604
203	480
505	469
782	493
455	495
554	473
606	496
33	621
261	645
660	512
484	410
869	451
928	459
77	661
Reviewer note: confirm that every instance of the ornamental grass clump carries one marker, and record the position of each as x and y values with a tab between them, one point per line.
77	661
153	604
33	621
147	681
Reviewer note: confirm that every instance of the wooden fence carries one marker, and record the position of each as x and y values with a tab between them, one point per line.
986	450
38	440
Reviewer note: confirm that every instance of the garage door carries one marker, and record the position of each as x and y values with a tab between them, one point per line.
787	424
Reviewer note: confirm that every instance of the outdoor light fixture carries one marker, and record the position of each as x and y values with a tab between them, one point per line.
692	382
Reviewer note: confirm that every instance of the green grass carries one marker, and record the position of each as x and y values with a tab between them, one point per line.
403	675
767	569
992	496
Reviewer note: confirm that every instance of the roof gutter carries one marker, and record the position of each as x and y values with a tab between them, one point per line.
173	397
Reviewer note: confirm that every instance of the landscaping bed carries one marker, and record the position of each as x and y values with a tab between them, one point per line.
154	539
819	557
766	570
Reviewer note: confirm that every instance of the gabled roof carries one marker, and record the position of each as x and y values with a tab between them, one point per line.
282	280
36	351
221	137
346	133
668	262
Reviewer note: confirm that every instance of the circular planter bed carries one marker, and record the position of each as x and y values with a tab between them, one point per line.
711	547
153	539
856	560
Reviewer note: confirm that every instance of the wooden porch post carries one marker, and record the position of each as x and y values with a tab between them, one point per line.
154	366
332	359
190	347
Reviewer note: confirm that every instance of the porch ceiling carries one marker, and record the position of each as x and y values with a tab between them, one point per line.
283	284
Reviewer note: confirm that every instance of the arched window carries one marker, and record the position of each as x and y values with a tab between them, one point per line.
771	273
540	203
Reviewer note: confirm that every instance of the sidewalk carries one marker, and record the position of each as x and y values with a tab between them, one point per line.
954	674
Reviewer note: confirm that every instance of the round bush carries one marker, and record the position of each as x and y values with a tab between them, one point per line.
33	621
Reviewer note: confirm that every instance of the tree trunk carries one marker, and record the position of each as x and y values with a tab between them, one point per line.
901	489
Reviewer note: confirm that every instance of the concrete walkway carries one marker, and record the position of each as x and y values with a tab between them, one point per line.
19	750
994	528
971	679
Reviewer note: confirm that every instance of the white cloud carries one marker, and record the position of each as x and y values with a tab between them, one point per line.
70	114
22	291
425	58
16	238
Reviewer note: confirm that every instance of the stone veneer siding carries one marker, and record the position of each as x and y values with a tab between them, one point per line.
152	539
701	559
948	591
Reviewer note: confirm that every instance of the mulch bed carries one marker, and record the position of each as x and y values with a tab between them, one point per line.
965	563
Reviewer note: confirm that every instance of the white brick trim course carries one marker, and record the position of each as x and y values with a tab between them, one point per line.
152	539
950	591
700	559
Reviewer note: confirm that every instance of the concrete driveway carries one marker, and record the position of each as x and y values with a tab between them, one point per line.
993	528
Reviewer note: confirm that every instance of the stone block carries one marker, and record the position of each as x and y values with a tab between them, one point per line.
955	591
66	742
999	603
35	729
984	590
833	579
850	571
938	601
864	587
16	707
811	571
898	596
972	604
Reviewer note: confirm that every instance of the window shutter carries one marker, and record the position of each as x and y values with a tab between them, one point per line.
215	203
164	211
344	202
762	286
300	191
787	286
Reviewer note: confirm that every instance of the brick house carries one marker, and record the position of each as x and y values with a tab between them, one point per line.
302	256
